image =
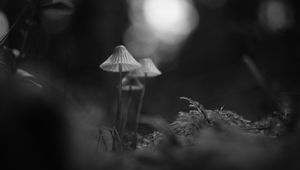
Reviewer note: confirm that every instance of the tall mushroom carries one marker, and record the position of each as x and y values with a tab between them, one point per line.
120	61
130	84
148	69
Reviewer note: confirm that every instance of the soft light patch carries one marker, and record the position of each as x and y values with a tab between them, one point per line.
170	16
275	15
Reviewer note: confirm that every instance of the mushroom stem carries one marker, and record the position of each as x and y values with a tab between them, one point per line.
138	114
119	102
128	108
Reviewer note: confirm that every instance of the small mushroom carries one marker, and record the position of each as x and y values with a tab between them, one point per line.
148	69
120	61
130	83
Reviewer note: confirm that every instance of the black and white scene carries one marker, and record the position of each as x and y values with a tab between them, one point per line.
150	84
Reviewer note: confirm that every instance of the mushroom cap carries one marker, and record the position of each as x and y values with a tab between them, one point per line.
148	68
120	58
128	81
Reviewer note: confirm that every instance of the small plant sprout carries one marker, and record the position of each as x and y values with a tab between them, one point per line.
130	84
120	61
148	69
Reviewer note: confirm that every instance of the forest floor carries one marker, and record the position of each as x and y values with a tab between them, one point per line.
188	124
208	139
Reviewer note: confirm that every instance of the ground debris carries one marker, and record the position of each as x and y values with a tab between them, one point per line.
188	124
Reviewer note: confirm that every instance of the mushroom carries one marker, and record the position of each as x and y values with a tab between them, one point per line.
120	61
148	69
130	84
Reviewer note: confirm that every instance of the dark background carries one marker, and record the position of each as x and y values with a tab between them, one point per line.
209	69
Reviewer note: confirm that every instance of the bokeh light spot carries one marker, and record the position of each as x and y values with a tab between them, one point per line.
275	15
159	27
170	16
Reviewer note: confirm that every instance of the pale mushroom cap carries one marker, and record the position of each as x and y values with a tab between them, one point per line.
120	57
128	81
148	68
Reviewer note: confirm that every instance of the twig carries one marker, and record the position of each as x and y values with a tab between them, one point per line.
198	107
